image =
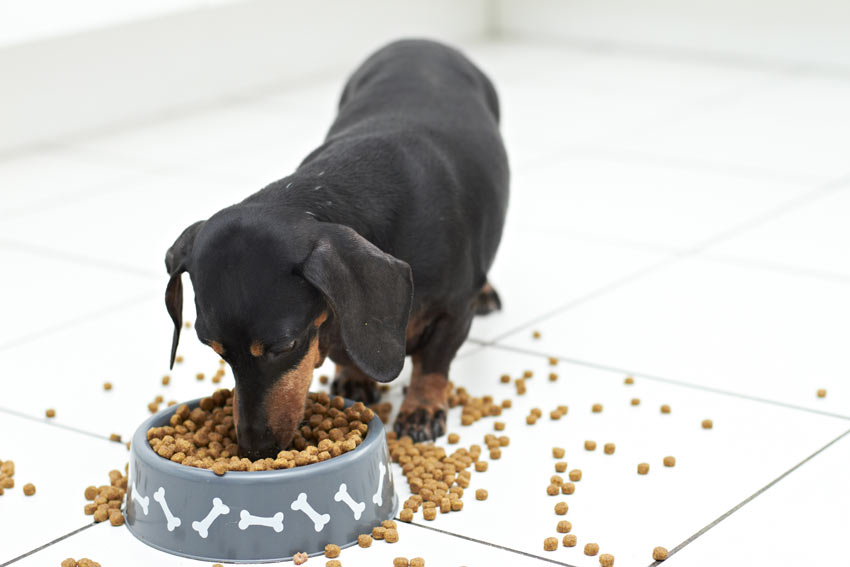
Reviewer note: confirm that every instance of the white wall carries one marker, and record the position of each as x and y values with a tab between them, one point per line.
67	86
784	32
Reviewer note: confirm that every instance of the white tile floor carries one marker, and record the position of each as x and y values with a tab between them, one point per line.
678	220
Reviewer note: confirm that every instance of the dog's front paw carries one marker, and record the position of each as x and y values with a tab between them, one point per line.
421	423
357	388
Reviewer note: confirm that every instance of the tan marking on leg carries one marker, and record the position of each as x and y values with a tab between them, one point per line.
257	349
217	347
320	319
429	391
285	400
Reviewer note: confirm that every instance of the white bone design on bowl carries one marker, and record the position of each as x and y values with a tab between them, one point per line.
173	521
142	500
319	520
343	495
275	522
219	509
378	498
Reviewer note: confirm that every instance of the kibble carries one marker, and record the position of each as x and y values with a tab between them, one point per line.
659	553
417	562
707	424
406	515
115	437
453	438
178	359
553	490
50	412
570	540
536	334
166	380
665	408
333	563
643	468
609	448
481	494
300	558
550	544
575	475
116	518
596	408
378	532
332	550
527	374
564	527
480	466
635	401
561	466
323	379
401	562
590	445
606	560
499	425
591	549
561	508
558	452
568	487
70	562
629	380
556	479
822	393
429	513
86	562
669	461
504	378
107	386
29	489
553	377
391	535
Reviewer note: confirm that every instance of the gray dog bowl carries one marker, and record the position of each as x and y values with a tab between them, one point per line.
257	516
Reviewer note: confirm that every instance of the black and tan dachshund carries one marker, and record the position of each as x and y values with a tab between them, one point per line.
375	248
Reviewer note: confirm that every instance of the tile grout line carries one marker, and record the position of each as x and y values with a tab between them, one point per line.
487	543
76	321
748	500
46	545
813	194
76	258
54	424
664	380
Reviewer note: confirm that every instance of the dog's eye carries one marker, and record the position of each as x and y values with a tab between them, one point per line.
288	347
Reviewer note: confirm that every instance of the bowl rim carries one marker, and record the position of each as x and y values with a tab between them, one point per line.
142	449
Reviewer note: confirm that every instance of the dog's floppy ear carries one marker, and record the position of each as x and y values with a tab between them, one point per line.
176	262
370	293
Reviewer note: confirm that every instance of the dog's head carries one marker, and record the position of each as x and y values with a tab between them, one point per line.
264	287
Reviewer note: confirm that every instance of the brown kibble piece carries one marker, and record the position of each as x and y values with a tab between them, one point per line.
199	376
178	359
86	562
116	518
401	562
50	412
531	419
166	380
707	424
568	488
609	448
29	489
570	540
70	562
590	445
596	408
606	560
299	558
391	535
90	493
659	554
558	452
101	514
107	386
429	513
499	425
669	461
115	437
406	515
591	549
564	527
219	468
561	508
504	378
453	438
364	540
331	550
553	377
550	544
643	468
635	401
481	494
527	374
378	532
495	454
575	475
665	408
629	380
535	334
333	563
480	466
553	490
561	466
822	393
389	525
417	562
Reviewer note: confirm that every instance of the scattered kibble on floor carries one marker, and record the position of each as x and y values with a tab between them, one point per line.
50	412
643	468
575	475
553	361
596	408
606	560
536	334
659	553
166	380
558	452
609	448
564	527
665	408
570	540
590	445
107	386
550	544
29	489
707	424
822	393
635	401
299	558
629	380
591	549
669	461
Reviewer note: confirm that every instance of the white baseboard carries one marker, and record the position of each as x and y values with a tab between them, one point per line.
69	86
781	32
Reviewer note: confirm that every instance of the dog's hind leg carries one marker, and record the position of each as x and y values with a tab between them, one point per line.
350	382
487	301
423	412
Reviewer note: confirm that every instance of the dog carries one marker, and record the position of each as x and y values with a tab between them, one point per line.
377	247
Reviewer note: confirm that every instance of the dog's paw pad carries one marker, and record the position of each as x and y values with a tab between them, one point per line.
357	389
421	424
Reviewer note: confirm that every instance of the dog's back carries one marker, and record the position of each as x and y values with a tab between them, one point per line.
416	144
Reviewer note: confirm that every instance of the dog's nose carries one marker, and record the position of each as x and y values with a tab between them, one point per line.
256	443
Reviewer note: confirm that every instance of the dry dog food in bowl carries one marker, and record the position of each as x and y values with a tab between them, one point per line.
264	511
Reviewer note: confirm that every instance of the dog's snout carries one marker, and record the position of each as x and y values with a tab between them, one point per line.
256	442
